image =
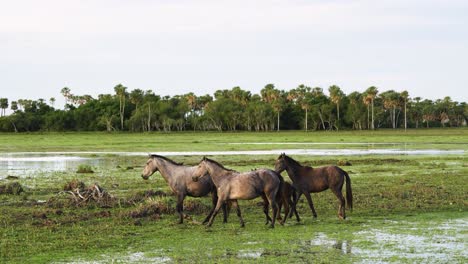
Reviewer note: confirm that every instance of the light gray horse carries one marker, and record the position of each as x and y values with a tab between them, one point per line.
179	179
232	185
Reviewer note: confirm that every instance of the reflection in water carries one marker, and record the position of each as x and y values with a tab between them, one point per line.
321	239
343	246
30	164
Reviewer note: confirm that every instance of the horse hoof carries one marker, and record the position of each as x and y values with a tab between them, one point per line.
272	226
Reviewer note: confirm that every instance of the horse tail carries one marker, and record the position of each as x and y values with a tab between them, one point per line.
349	192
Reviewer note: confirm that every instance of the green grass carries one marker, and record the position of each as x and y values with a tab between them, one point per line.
397	199
204	141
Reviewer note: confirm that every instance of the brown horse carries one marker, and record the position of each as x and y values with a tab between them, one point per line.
286	198
308	180
179	179
232	185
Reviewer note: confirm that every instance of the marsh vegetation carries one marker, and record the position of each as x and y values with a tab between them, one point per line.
407	208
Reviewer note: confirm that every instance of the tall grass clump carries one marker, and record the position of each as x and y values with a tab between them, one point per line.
83	168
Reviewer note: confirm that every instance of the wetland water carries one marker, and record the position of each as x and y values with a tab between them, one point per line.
24	163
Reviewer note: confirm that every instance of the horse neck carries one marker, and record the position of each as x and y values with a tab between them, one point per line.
292	171
216	173
166	169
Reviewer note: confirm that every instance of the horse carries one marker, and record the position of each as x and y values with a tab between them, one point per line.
179	179
286	198
308	180
232	186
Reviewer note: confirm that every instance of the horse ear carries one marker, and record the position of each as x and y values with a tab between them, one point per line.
204	158
149	155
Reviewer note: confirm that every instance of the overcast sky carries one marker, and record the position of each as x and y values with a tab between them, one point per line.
176	46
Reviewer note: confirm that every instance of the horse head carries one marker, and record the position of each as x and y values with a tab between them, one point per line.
200	171
280	163
150	168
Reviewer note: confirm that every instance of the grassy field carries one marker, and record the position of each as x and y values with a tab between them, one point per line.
204	141
407	208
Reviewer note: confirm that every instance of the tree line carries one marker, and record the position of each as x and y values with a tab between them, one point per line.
233	109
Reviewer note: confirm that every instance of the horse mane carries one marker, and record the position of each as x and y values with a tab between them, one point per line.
166	159
219	164
292	161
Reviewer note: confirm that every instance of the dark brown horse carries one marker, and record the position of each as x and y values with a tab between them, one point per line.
286	198
179	179
308	180
232	186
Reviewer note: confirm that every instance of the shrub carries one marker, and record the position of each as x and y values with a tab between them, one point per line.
83	168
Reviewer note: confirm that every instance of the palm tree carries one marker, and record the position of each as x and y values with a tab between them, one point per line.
404	95
367	101
14	106
3	105
371	93
301	95
336	95
391	100
273	96
66	92
52	101
136	97
120	91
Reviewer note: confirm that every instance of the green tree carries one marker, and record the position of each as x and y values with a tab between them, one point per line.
405	96
301	96
336	96
370	95
121	93
391	101
275	98
3	105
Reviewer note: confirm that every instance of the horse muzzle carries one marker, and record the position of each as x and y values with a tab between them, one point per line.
145	177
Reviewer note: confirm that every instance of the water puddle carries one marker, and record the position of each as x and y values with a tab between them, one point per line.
137	257
323	240
404	241
251	254
442	243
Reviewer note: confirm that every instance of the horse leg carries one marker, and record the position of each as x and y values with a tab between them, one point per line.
279	202
218	206
214	201
225	208
236	204
284	201
296	197
293	205
274	206
265	209
311	204
341	199
180	207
